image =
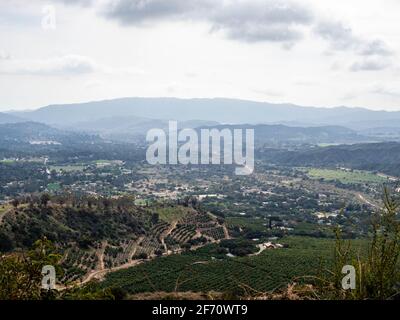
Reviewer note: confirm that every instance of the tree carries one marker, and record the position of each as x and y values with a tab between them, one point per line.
5	242
15	203
44	199
107	203
21	274
155	218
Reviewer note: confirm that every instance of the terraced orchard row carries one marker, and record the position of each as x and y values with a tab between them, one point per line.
190	230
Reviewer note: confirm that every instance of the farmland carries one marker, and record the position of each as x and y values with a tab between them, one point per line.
346	176
170	214
253	224
207	270
53	187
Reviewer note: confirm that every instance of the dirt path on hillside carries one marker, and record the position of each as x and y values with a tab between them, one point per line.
366	201
100	256
226	233
166	234
99	274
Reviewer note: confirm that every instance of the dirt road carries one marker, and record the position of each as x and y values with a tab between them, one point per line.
366	201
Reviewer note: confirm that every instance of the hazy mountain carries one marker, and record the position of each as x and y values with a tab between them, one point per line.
134	129
130	128
220	110
382	132
9	118
39	134
278	134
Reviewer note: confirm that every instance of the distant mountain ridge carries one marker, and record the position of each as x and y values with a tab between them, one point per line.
9	118
220	110
280	134
129	128
39	133
135	130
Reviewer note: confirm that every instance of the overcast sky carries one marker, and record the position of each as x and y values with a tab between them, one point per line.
308	52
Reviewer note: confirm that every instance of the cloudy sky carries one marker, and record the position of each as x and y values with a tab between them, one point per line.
308	52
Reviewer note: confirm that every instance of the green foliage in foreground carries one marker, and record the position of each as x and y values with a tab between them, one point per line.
20	274
378	270
21	277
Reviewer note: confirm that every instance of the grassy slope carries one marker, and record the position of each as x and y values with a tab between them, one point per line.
170	214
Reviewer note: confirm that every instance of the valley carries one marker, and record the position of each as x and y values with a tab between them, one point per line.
119	222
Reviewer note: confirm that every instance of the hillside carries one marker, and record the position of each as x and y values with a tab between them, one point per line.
9	118
39	134
129	128
98	235
384	157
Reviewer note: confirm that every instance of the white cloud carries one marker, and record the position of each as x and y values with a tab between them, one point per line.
272	21
369	65
384	91
338	35
375	47
4	55
84	3
342	38
255	21
60	66
208	48
65	65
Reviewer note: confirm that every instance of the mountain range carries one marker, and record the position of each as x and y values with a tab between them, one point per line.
129	118
220	110
9	118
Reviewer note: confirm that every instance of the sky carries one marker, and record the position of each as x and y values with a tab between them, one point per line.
307	52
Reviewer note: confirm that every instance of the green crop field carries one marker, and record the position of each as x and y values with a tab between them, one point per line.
244	222
7	161
53	186
169	214
346	177
198	271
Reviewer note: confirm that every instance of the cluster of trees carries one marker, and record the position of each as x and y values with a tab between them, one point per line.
85	221
21	274
238	247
